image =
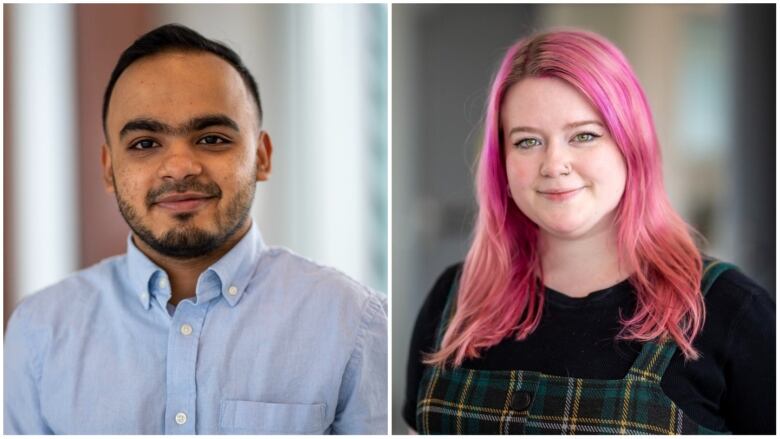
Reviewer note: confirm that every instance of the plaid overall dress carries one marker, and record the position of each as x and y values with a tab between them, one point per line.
468	401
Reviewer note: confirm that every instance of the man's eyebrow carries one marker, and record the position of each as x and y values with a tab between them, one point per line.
568	126
145	124
210	120
195	124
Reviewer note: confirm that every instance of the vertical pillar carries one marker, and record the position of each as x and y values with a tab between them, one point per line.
42	144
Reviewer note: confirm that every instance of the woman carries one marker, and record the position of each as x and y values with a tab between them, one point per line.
580	307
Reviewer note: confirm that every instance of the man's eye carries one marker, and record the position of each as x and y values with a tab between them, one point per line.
144	144
527	143
212	140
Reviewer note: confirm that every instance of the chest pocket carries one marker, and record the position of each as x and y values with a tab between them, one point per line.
254	417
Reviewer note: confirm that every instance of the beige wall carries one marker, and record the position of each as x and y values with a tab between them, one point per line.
103	32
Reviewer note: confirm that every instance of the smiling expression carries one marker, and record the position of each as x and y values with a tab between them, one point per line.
184	151
565	171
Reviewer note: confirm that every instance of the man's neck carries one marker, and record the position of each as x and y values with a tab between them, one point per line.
183	273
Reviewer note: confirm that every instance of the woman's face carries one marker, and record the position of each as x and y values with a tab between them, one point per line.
565	171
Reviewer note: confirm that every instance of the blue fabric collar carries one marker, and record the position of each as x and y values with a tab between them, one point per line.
229	276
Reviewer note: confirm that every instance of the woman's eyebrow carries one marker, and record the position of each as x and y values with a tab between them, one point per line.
525	129
581	123
568	126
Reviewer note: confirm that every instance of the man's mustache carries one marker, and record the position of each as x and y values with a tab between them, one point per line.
210	189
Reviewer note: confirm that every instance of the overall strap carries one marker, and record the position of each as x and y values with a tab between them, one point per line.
449	310
651	363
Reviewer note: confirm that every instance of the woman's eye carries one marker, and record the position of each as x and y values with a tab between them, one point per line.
527	143
212	140
585	137
144	144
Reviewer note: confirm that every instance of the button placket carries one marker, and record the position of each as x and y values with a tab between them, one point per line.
183	340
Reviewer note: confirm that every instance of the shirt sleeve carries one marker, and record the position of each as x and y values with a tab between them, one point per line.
749	401
362	402
21	376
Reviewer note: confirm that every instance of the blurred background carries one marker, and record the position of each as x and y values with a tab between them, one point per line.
708	72
322	73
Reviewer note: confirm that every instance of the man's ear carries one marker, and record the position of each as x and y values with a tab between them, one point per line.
264	150
108	171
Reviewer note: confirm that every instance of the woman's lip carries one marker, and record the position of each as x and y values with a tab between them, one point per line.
560	195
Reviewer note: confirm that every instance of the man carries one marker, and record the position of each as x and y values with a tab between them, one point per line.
199	328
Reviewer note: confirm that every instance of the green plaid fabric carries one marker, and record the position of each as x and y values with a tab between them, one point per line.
467	401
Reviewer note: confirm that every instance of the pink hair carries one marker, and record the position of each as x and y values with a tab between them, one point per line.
501	287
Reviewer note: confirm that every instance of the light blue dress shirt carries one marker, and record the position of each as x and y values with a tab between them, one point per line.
271	343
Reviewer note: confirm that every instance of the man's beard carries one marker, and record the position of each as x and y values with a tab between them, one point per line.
186	241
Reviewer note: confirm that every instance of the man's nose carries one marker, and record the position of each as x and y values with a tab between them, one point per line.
180	161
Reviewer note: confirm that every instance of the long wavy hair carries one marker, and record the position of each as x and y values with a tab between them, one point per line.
501	289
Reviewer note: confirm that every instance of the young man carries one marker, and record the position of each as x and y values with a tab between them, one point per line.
199	328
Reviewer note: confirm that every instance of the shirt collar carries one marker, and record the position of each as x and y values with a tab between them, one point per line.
234	270
229	276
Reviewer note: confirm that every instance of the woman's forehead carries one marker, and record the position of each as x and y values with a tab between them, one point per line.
549	102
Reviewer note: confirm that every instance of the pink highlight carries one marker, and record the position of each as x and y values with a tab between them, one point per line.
500	292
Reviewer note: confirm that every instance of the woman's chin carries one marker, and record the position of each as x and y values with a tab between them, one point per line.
565	229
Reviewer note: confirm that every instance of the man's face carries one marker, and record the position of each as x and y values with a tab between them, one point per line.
184	152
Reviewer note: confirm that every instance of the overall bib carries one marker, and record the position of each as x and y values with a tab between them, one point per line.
469	401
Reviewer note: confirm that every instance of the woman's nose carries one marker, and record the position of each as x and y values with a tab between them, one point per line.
556	160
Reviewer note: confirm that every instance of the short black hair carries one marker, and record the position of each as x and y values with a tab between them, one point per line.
172	37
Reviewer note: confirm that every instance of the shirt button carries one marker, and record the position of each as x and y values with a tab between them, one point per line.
181	418
163	283
232	290
521	400
144	296
185	329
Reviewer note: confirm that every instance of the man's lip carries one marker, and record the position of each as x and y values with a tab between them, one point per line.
177	197
187	202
